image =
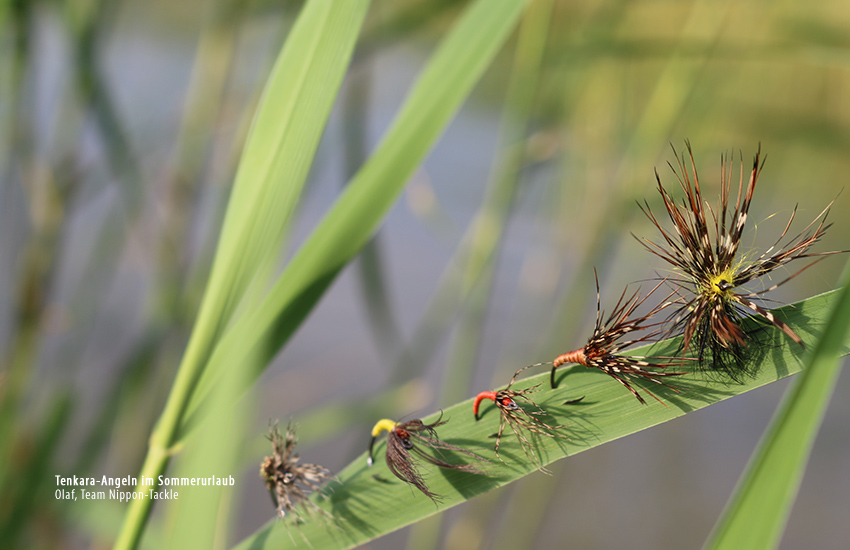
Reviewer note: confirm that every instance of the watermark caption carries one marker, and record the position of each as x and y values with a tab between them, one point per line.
115	488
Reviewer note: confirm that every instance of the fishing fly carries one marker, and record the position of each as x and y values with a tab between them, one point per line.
521	420
406	444
289	481
602	349
711	273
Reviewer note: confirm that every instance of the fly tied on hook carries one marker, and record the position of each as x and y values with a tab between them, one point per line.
406	444
290	482
602	350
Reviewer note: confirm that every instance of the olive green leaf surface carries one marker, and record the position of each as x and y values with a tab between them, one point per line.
370	502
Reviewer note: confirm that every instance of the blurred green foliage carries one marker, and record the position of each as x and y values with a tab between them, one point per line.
121	127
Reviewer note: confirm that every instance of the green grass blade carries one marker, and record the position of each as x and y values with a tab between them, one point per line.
367	508
755	516
213	450
278	154
296	103
27	489
444	84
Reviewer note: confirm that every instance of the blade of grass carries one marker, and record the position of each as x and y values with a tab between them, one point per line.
756	515
29	487
288	124
437	95
213	450
101	520
474	259
367	508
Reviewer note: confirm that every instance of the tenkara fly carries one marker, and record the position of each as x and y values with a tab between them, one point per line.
708	268
519	419
602	349
405	443
288	481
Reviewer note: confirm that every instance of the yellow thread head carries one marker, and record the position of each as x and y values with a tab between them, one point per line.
721	284
385	424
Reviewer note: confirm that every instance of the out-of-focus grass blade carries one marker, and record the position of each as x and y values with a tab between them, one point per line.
755	516
27	489
199	516
101	520
444	84
367	507
292	114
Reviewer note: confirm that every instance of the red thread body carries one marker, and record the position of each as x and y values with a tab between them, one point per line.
480	397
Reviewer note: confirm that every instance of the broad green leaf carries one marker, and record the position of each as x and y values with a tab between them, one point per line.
442	87
296	103
755	516
366	507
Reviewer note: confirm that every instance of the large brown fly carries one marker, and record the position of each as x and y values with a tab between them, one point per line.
703	247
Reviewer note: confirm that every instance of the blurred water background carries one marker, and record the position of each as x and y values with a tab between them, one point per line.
122	122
